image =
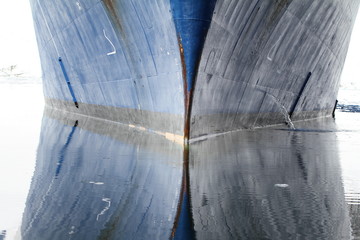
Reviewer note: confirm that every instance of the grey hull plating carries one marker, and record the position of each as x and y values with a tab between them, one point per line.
193	68
116	55
264	56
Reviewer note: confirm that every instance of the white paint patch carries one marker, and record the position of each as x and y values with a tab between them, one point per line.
281	185
79	6
271	52
114	49
108	201
97	183
72	230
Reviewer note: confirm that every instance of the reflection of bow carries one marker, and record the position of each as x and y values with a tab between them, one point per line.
63	150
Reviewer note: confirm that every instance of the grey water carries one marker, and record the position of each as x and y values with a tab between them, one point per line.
66	176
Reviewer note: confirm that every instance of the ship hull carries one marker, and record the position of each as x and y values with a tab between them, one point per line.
125	71
273	59
193	68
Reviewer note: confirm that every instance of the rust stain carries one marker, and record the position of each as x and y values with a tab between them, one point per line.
186	93
281	5
184	187
116	20
110	6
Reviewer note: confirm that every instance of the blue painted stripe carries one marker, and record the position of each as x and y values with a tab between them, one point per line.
192	20
68	82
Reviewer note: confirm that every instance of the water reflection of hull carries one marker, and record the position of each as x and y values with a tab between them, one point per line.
268	184
354	210
110	183
3	235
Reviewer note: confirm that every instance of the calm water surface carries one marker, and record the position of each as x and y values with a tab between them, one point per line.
66	176
277	183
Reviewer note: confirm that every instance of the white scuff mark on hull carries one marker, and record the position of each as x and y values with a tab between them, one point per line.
79	6
96	183
108	201
114	49
271	53
72	231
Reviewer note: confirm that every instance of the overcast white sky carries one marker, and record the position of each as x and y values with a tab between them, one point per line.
351	72
18	44
17	37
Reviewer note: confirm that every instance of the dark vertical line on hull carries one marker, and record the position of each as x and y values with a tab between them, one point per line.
68	82
300	94
334	109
